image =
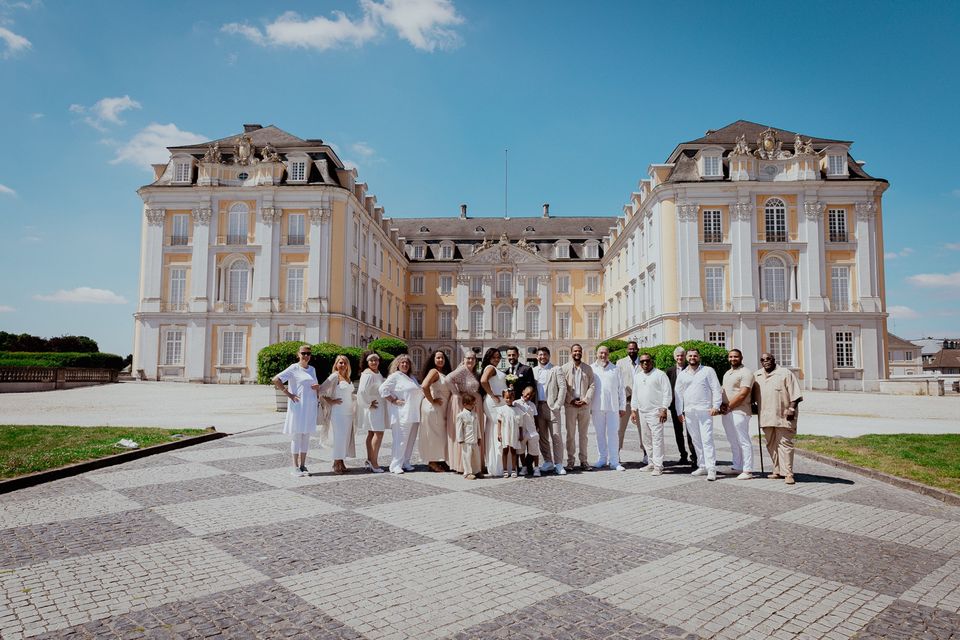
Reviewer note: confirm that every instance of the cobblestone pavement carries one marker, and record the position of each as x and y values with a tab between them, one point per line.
219	540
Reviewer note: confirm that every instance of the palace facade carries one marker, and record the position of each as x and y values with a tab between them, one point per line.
750	237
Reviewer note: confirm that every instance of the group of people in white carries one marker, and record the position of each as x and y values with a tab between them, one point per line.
495	420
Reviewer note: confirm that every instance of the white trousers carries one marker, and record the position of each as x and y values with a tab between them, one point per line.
606	427
737	427
699	425
299	442
404	438
652	430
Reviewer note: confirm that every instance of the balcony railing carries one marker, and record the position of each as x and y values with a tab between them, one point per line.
840	305
714	305
232	239
776	236
712	236
776	305
294	240
296	305
174	306
178	241
235	306
838	236
504	293
446	334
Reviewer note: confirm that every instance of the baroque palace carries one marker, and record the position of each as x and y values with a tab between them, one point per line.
750	237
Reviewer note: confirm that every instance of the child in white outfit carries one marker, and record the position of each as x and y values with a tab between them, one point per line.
468	435
509	430
530	447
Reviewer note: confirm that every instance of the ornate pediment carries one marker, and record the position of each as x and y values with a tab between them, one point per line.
503	252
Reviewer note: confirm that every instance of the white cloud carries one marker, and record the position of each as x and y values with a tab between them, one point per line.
953	246
4	308
105	110
936	280
149	145
893	255
426	24
902	313
7	191
83	295
363	149
13	43
36	116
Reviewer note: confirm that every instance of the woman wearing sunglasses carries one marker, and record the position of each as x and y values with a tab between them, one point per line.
301	420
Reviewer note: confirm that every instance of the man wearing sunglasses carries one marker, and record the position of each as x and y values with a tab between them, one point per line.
648	406
778	394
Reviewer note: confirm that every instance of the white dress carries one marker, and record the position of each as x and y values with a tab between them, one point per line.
341	419
301	416
491	452
369	390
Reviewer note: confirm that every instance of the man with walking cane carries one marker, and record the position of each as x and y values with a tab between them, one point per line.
777	396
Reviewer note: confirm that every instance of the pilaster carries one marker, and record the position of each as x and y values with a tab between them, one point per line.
867	266
743	267
813	259
199	266
689	256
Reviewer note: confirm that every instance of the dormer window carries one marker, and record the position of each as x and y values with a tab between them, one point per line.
183	170
418	251
528	230
480	230
446	251
562	249
588	229
424	229
711	166
836	165
297	168
591	250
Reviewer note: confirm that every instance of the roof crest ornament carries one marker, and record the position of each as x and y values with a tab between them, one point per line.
244	150
769	146
741	148
213	154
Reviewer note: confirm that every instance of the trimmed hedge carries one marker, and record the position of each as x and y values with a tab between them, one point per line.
57	360
662	354
393	346
274	358
612	344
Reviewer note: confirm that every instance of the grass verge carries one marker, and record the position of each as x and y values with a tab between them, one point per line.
31	448
930	459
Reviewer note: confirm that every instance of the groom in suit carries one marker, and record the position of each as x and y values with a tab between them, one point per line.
523	372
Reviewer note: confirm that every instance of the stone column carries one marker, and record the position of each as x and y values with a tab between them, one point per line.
199	263
151	269
195	358
520	313
545	289
488	318
689	257
812	260
743	268
318	261
463	308
264	288
867	257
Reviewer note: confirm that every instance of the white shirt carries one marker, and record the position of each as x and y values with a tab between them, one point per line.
628	370
608	393
542	375
651	391
405	388
698	389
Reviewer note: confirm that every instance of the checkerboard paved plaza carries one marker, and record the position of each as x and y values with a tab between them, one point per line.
219	540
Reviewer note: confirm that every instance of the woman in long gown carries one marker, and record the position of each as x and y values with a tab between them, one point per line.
493	382
403	393
463	381
337	395
371	409
301	419
434	414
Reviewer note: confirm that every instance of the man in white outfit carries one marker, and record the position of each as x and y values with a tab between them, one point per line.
609	404
698	397
546	419
649	405
738	383
629	367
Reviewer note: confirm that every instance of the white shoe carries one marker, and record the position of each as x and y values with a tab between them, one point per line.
657	471
547	466
560	470
599	464
620	467
699	471
397	471
712	475
536	472
746	475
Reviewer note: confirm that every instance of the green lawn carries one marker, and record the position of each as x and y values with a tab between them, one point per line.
933	460
28	449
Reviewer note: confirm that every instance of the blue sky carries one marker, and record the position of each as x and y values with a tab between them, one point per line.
424	96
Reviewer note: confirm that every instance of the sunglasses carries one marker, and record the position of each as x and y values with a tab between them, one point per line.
304	353
766	359
646	362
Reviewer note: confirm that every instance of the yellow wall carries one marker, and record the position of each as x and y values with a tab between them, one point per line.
339	268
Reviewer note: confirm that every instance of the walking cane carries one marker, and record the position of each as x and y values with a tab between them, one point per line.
760	444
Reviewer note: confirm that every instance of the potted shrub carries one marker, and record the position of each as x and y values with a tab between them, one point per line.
273	359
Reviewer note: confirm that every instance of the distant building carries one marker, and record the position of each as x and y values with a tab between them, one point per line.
944	362
903	357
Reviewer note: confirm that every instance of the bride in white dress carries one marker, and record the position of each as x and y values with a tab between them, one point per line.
493	381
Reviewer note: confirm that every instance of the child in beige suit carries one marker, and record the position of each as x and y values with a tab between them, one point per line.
468	435
530	439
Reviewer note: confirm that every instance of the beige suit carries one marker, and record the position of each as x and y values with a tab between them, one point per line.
555	394
774	392
577	419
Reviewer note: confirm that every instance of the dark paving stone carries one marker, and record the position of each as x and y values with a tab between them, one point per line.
572	616
147	462
907	621
549	493
298	546
887	497
569	551
885	567
356	493
220	486
56	489
256	463
734	495
23	546
263	610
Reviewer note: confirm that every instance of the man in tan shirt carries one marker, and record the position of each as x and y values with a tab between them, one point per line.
576	393
778	394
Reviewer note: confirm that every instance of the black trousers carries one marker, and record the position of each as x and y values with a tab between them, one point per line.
679	432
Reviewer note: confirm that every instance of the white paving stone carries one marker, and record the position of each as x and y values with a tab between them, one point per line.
154	475
63	593
821	490
661	519
730	597
61	508
926	532
450	515
940	589
202	517
631	481
222	453
273	438
423	592
282	479
451	481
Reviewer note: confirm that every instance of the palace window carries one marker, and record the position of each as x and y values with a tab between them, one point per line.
836	165
416	284
533	322
504	284
238	280
712	230
416	324
563	283
532	287
173	347
446	285
298	171
562	249
476	322
563	325
181	229
504	322
775	220
296	234
775	284
446	323
419	251
718	338
292	335
476	286
843	347
593	283
593	324
237	224
713	285
182	172
446	252
563	356
178	289
232	347
837	223
416	359
780	346
712	166
294	289
840	288
591	250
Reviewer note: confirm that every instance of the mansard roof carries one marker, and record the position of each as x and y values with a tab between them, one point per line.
751	131
259	136
533	227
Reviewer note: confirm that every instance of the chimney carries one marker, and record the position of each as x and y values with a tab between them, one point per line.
247	128
546	209
463	212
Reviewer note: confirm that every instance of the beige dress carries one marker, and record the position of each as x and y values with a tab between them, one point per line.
433	423
462	382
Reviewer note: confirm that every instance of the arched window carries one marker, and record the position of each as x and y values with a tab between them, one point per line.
238	281
504	284
476	322
533	321
775	220
504	322
775	283
237	223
